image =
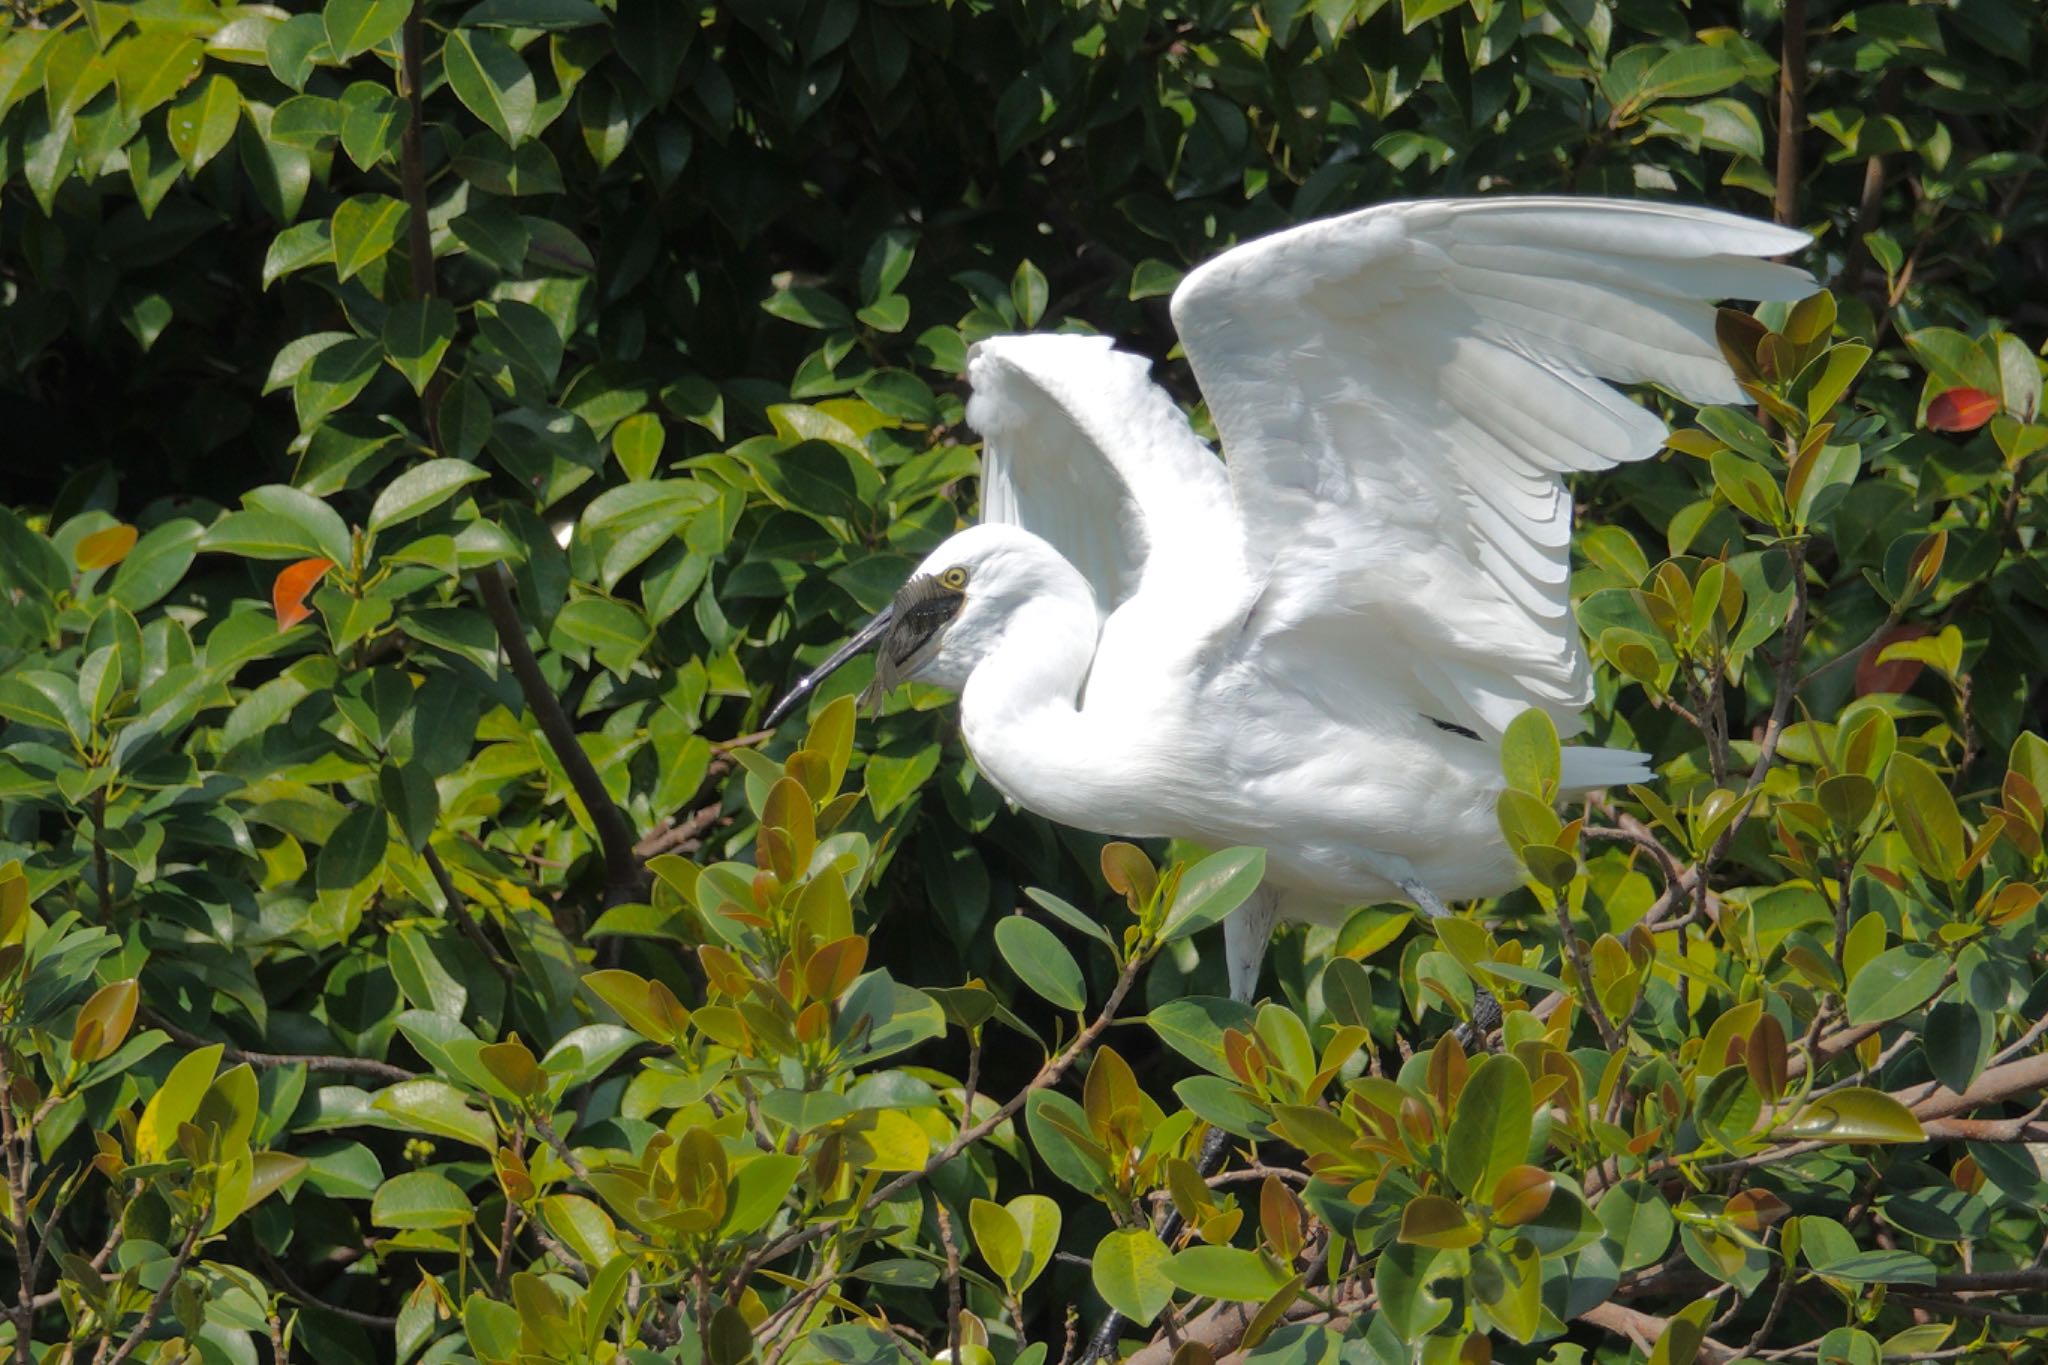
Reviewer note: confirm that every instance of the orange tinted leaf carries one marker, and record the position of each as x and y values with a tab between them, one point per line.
1961	410
104	549
1129	873
1521	1194
1755	1210
288	593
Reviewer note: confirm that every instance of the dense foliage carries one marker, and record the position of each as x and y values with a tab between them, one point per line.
434	429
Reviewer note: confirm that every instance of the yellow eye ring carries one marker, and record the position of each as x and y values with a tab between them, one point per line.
954	578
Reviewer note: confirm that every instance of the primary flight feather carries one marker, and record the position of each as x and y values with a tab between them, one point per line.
1315	644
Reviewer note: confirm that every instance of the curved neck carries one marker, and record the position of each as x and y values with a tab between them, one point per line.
1021	715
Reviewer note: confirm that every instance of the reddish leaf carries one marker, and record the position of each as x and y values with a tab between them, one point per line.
1961	410
1895	675
288	593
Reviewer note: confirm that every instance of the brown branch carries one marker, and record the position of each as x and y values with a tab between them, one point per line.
554	1140
622	874
684	835
1791	110
2001	1316
360	1066
15	1148
307	1298
954	1299
412	157
458	910
1645	1328
163	1294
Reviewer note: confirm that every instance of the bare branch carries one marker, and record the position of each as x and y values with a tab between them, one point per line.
360	1066
622	874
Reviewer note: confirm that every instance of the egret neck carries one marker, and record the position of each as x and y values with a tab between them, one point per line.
1020	706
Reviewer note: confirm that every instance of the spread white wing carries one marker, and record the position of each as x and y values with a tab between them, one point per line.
1082	449
1399	392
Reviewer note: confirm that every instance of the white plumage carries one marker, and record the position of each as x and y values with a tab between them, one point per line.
1316	646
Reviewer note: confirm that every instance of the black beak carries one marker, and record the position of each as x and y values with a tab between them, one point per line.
867	635
908	630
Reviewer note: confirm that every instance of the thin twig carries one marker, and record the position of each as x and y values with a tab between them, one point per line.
955	1302
360	1066
458	910
308	1299
554	1140
163	1294
621	869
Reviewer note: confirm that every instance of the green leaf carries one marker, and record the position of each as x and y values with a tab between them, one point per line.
298	247
493	80
152	66
1490	1129
354	851
1129	1270
421	489
757	1191
333	379
371	123
174	1103
1402	1281
1212	888
1692	71
1193	1026
1896	981
1857	1114
1530	757
997	1237
1224	1273
1638	1220
1038	1221
1041	961
421	1199
437	1108
355	26
1028	293
203	119
1886	1266
365	227
637	443
1926	814
416	336
156	564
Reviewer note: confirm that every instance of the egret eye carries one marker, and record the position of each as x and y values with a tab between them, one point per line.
954	578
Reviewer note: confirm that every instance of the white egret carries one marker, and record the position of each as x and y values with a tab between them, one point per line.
1316	646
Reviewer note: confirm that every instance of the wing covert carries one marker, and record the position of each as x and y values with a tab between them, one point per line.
1400	391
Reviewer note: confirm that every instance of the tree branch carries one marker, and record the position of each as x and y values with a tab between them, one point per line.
164	1292
622	875
1791	110
360	1066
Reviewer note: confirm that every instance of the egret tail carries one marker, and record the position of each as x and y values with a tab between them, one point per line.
1584	768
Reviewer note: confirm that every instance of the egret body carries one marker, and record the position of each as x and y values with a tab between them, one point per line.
1316	646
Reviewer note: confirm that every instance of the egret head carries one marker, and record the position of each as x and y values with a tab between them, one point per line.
950	613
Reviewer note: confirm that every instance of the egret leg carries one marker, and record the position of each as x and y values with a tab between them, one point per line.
1486	1011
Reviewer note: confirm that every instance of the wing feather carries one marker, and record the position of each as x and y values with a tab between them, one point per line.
1081	448
1400	392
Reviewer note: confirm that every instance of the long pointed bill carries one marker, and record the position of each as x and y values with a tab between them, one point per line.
867	635
906	632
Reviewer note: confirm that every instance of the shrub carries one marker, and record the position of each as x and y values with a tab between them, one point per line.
435	431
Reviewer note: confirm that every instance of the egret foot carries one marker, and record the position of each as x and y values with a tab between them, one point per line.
1102	1346
1486	1011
